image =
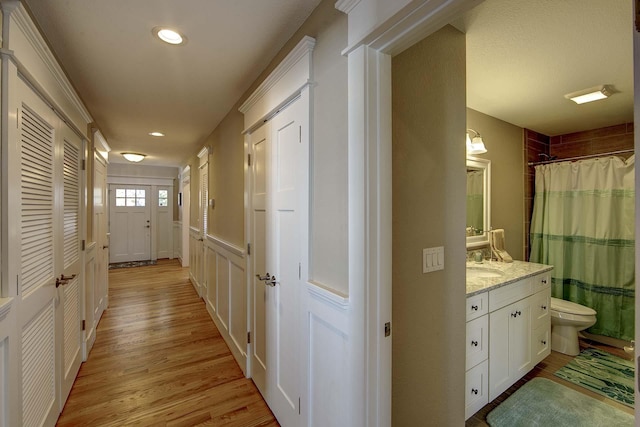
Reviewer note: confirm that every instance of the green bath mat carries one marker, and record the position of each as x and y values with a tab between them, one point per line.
542	402
602	373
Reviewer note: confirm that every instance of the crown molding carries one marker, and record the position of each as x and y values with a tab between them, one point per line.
346	6
25	24
304	47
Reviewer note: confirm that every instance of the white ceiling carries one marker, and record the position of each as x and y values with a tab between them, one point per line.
522	57
133	84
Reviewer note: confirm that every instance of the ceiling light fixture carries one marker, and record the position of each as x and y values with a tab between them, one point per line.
156	133
591	94
168	35
475	145
134	157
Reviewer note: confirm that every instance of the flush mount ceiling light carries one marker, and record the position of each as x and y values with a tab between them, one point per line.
475	145
156	133
588	95
134	157
168	35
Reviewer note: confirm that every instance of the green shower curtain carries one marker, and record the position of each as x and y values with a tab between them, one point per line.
583	225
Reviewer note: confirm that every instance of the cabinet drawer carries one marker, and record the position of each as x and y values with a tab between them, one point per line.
477	341
541	281
477	305
507	294
540	308
541	343
476	383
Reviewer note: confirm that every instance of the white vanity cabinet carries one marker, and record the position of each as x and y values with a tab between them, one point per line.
508	333
519	328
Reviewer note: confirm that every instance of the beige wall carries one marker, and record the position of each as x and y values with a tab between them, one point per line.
226	179
328	239
504	143
429	184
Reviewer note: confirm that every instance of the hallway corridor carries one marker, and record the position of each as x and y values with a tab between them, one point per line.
159	360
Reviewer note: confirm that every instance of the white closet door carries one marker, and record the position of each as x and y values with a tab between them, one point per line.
69	326
37	290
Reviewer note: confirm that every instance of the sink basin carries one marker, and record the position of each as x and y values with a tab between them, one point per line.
483	273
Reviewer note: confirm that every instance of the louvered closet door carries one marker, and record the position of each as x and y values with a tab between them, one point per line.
70	315
37	291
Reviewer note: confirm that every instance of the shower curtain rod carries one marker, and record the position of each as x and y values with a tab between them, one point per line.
611	153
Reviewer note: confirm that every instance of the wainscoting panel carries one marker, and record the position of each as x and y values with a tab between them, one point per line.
227	294
196	260
177	240
3	380
223	283
327	370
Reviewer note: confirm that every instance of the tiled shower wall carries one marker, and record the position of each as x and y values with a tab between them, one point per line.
596	141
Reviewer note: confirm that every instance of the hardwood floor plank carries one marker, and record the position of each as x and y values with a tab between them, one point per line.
159	360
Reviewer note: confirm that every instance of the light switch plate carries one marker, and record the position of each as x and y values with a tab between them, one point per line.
432	259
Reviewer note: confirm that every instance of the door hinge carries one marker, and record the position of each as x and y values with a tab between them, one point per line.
248	159
83	244
300	134
248	248
299	271
299	406
84	165
387	329
248	337
83	325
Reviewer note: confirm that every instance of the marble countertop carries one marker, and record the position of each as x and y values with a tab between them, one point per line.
511	272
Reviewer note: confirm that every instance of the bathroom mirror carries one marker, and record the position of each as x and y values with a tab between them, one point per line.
478	202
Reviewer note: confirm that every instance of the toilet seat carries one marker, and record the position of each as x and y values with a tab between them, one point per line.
568	307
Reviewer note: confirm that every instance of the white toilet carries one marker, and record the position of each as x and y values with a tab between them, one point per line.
567	319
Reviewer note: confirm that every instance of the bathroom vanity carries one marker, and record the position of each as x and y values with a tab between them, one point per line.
508	326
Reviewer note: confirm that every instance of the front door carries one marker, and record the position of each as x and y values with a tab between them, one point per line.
129	223
279	199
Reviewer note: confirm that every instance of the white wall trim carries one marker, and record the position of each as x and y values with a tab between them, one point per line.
194	230
5	307
100	144
235	250
30	31
317	291
287	79
346	6
185	173
203	155
138	180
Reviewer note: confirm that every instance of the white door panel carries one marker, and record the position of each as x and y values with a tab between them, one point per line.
38	243
278	199
130	223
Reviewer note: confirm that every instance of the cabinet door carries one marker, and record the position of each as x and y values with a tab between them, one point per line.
499	351
476	392
520	339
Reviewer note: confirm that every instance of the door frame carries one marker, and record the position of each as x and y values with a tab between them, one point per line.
291	79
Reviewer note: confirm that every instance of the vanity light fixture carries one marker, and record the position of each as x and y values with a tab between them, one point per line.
169	36
475	145
156	133
134	157
589	95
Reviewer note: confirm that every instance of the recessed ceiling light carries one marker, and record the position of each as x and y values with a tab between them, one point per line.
589	95
168	35
156	133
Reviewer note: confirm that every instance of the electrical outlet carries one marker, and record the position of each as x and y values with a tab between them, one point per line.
432	259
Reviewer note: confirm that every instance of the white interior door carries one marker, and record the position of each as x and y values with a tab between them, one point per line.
70	313
258	221
100	291
164	221
129	223
39	235
279	203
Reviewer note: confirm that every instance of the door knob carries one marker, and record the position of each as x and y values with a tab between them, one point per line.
272	282
60	282
63	277
264	278
105	246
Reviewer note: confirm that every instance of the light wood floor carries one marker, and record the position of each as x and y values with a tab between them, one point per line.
159	360
546	369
